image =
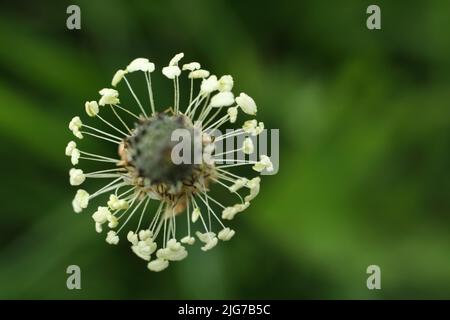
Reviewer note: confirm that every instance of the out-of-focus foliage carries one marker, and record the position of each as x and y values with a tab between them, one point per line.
364	121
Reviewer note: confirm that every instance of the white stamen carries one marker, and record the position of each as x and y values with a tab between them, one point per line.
135	97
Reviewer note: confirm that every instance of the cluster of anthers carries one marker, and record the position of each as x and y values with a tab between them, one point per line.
143	170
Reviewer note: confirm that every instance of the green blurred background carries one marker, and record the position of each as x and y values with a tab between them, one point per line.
365	146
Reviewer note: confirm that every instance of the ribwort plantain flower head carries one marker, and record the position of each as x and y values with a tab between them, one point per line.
144	171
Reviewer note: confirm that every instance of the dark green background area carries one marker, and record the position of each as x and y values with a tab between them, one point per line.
364	125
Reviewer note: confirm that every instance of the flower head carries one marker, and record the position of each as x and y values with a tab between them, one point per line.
145	184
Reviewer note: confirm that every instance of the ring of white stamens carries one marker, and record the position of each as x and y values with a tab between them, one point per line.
130	193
